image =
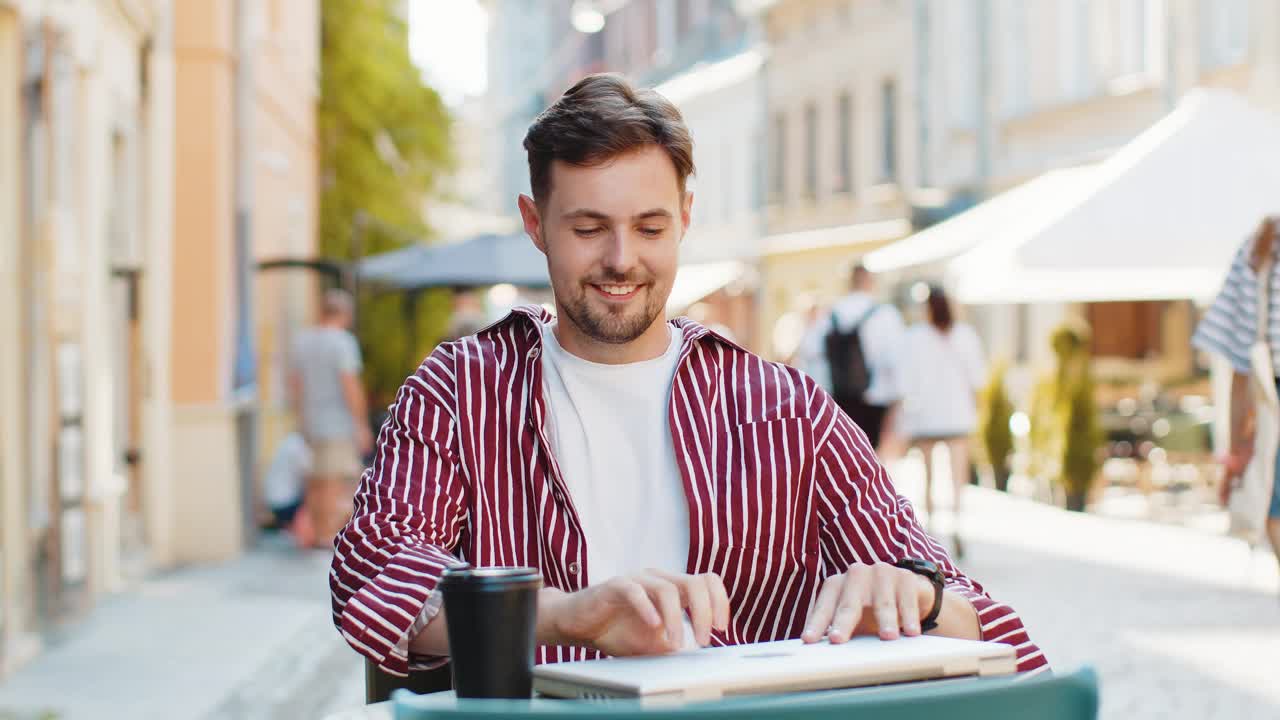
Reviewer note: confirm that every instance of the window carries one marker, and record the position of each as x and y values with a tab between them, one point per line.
778	189
811	151
1224	32
889	132
1073	49
959	35
1011	36
844	143
1130	18
684	19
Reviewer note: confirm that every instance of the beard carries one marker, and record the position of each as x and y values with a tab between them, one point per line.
614	325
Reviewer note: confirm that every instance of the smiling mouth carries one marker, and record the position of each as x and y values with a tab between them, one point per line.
616	292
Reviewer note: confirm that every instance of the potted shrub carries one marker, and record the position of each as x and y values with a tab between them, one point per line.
1066	431
994	413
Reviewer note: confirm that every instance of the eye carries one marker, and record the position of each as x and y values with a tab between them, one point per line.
588	232
651	231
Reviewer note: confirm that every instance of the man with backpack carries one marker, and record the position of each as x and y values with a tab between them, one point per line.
861	342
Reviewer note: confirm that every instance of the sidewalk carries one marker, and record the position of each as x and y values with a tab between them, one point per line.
249	639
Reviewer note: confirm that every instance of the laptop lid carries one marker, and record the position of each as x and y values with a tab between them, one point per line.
774	667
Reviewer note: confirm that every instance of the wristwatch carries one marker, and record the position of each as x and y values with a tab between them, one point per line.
933	573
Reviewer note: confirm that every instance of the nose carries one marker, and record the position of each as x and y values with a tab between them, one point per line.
620	255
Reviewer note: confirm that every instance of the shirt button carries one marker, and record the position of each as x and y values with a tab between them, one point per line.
573	568
534	353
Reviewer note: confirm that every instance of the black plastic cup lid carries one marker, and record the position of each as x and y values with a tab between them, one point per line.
491	578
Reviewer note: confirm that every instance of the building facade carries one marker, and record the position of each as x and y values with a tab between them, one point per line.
246	163
86	110
150	153
1019	88
842	169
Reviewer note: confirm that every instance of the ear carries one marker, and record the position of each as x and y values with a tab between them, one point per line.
686	211
532	222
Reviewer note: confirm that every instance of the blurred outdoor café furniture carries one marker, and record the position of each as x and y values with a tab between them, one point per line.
1071	696
1159	439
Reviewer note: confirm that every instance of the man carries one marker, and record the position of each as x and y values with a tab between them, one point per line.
656	473
880	330
329	401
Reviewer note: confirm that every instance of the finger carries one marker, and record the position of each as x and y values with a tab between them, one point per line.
823	610
885	599
855	596
696	596
719	602
665	595
909	606
637	598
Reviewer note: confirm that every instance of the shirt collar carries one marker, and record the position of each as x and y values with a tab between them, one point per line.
535	317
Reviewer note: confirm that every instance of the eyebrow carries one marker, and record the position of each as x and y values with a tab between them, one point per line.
597	215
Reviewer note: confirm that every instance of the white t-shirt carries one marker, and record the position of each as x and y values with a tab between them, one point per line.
282	485
609	431
610	434
881	334
940	374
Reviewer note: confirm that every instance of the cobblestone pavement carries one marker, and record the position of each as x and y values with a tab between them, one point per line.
1179	623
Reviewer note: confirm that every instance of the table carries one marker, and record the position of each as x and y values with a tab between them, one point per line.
1072	696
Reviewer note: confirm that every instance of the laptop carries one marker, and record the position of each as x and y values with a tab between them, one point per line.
773	667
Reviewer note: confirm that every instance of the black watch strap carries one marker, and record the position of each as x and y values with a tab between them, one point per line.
934	575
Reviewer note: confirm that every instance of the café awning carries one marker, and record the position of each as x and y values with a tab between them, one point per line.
477	261
1159	220
1002	214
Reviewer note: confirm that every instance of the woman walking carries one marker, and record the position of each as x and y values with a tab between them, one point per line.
1241	325
942	368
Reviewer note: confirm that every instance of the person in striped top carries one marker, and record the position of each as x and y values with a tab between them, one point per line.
1228	328
673	488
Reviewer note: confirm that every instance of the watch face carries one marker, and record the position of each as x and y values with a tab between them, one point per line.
922	567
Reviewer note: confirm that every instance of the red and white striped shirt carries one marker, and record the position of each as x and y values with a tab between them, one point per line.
783	490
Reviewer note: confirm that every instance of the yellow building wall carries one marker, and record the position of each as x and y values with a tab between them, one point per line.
203	201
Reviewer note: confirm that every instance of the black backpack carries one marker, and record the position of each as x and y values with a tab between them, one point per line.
850	376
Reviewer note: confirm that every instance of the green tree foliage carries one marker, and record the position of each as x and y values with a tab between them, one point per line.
384	143
1066	431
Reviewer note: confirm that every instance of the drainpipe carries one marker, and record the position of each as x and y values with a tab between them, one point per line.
244	367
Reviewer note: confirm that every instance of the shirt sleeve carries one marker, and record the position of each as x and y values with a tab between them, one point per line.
350	361
864	521
409	510
1228	327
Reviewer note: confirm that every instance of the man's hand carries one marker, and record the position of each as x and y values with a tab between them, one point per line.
870	599
638	614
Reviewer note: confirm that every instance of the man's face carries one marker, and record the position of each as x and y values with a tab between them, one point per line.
611	234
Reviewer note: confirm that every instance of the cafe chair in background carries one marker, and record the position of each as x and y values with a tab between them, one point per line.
379	685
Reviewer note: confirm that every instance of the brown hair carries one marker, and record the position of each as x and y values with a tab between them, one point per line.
600	118
940	309
1264	241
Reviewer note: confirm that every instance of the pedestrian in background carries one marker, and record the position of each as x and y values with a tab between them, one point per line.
329	401
1235	328
284	488
942	368
861	342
